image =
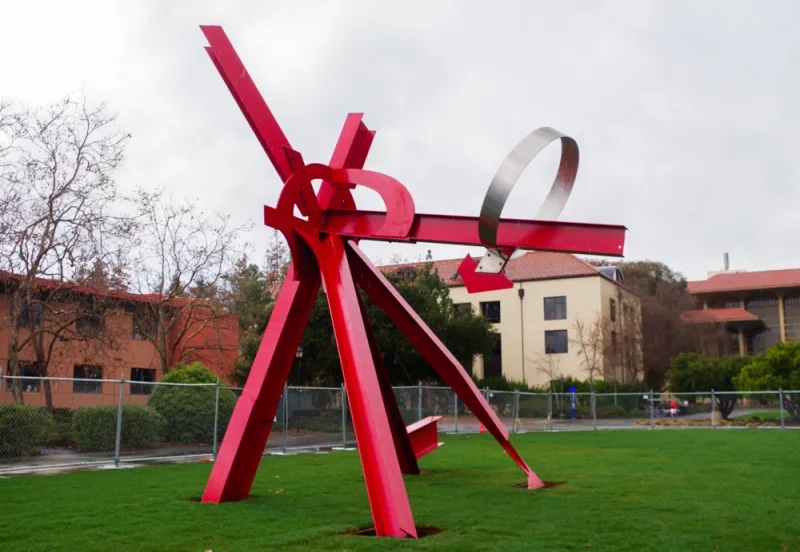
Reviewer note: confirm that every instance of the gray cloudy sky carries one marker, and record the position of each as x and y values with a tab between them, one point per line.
686	113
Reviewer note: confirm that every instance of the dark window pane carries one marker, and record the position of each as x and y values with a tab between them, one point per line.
89	325
555	308
143	375
87	371
493	366
555	341
27	369
491	310
613	309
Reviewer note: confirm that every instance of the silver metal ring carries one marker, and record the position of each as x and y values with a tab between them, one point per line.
505	179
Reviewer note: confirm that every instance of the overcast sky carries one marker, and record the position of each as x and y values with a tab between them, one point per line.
686	113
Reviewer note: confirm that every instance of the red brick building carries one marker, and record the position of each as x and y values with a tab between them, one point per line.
113	340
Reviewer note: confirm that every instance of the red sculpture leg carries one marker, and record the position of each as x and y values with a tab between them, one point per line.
383	294
400	436
248	430
391	510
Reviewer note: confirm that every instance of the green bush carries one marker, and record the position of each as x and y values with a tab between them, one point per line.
610	411
24	430
62	429
94	428
188	412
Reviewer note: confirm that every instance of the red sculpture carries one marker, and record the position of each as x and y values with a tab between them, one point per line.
323	244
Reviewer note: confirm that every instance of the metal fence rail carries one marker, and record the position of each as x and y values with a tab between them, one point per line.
65	422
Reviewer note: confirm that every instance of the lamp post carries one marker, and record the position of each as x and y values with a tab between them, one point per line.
299	356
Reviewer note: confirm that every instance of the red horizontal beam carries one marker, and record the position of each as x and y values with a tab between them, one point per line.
567	237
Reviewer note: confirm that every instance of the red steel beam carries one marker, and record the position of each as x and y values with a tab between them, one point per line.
388	499
567	237
387	298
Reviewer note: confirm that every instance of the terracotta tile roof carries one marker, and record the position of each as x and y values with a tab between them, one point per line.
735	281
49	284
534	265
734	314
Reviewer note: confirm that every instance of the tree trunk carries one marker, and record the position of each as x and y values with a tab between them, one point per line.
726	404
13	365
791	403
13	350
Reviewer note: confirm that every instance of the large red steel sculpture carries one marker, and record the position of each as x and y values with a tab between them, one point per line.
323	243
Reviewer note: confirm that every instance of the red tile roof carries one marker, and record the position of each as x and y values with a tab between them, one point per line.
49	284
535	265
734	314
736	281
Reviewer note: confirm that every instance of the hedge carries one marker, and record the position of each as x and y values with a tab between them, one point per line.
94	428
188	412
25	429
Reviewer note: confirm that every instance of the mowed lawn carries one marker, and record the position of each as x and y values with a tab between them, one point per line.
659	490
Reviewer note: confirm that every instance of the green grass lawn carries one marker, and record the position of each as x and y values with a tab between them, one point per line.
767	415
681	490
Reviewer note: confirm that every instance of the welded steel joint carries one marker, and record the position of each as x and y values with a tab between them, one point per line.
512	167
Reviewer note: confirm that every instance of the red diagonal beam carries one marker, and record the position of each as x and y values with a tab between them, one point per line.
385	296
244	91
391	510
400	436
568	237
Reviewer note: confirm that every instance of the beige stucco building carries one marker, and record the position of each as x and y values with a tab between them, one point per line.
563	317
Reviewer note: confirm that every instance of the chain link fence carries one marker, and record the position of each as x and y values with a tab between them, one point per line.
65	422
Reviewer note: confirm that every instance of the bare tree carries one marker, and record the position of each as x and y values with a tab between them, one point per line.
594	343
181	258
57	200
549	365
630	357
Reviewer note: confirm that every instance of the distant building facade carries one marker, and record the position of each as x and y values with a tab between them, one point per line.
563	318
751	310
112	341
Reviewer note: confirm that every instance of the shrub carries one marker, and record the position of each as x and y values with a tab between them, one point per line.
188	412
610	411
94	428
25	429
62	431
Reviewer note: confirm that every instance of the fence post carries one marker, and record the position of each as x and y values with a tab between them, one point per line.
594	409
713	409
780	395
344	417
455	409
419	401
216	421
118	440
515	423
285	417
652	410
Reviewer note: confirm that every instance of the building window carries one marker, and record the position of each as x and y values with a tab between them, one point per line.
612	305
613	345
491	310
555	308
464	309
89	325
27	369
31	315
791	311
87	372
493	366
146	375
555	342
766	308
144	325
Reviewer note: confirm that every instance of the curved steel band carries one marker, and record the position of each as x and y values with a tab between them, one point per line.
510	171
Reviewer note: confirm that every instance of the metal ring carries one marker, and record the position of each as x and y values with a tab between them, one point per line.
510	171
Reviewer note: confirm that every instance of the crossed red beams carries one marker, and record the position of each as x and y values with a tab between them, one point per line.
324	251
